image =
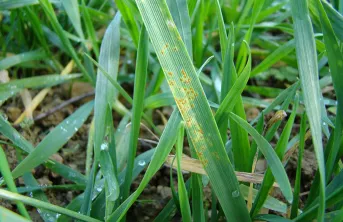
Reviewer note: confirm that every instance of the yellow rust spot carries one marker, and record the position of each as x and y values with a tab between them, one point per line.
175	48
182	104
216	155
202	148
171	83
170	73
183	72
185	79
181	101
189	121
202	158
164	48
191	94
209	142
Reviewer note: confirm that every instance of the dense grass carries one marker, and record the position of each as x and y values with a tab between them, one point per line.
211	61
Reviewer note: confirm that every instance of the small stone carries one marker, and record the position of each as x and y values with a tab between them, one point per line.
57	157
69	196
261	165
80	88
4	76
164	191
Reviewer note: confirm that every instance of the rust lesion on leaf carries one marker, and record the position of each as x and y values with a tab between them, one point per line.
216	155
198	132
202	148
170	73
164	48
189	121
190	92
182	104
202	158
185	79
171	83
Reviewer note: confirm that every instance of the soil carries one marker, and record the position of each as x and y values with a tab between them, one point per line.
73	154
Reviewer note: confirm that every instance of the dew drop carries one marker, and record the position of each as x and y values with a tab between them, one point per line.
235	193
141	163
104	146
64	129
99	189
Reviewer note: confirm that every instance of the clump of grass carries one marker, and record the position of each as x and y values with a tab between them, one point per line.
208	60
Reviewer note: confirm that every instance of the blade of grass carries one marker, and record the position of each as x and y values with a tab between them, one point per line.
307	63
120	89
334	16
10	61
129	20
193	106
11	88
111	182
163	148
72	9
66	172
6	173
141	161
179	12
222	31
90	29
197	194
198	35
105	92
37	81
44	205
19	141
271	217
335	59
280	149
274	57
85	207
9	215
30	181
239	137
295	204
54	140
271	157
256	9
49	12
271	202
182	191
137	108
228	68
38	31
